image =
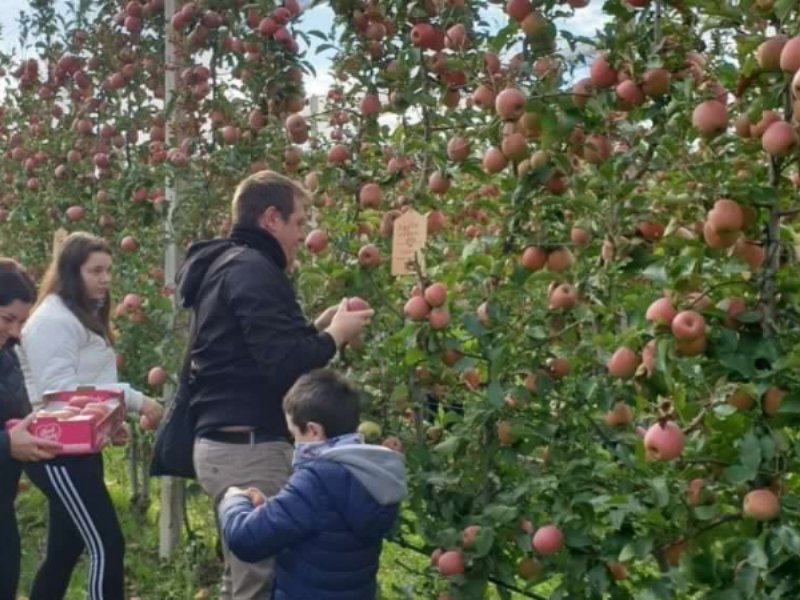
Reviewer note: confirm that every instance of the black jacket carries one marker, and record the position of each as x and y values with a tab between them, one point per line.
13	396
253	341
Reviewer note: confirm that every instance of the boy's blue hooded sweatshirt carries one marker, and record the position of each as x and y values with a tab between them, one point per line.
326	526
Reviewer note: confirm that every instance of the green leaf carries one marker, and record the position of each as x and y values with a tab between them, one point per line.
747	580
636	549
789	406
484	541
756	555
495	395
706	513
662	347
473	325
317	34
737	474
660	492
783	8
724	410
414	356
475	588
449	446
657	274
536	332
500	514
767	447
750	451
749	316
504	593
598	579
323	47
790	538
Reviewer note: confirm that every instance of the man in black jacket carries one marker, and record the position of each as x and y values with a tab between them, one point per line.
252	344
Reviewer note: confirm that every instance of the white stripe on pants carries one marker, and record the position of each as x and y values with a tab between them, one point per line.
62	484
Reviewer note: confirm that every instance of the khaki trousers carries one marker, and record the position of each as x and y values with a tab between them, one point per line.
265	466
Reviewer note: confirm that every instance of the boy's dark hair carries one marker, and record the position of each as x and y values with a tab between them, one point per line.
325	397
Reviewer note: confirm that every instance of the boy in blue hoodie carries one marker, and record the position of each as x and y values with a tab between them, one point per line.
327	525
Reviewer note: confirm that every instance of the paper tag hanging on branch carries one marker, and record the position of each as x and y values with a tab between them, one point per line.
408	240
59	235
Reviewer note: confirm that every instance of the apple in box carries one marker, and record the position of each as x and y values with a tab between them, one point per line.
82	421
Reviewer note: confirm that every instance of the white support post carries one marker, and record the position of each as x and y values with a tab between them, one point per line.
172	489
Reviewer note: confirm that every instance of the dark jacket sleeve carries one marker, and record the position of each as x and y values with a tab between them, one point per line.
253	534
13	396
281	342
5	446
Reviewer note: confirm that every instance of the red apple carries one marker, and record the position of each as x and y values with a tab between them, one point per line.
688	325
132	301
664	442
510	104
129	244
469	535
547	540
617	570
417	308
369	256
458	149
761	505
620	415
75	213
451	563
370	195
694	491
439	318
316	241
436	294
623	363
661	312
156	377
533	258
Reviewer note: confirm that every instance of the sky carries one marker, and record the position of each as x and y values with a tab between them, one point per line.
584	23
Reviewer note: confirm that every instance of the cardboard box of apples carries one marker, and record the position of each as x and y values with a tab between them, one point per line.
83	420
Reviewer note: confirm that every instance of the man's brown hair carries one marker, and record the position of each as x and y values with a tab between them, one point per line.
325	397
260	191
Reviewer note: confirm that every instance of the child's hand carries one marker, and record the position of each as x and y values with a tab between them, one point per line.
253	494
235	491
256	496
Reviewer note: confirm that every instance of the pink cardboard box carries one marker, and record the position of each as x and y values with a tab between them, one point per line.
82	433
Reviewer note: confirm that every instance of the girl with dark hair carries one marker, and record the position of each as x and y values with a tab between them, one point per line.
66	343
17	294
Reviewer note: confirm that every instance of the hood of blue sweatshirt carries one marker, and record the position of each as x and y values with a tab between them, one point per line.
380	470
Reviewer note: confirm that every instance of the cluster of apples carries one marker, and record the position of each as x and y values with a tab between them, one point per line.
557	260
429	305
546	540
724	226
688	328
778	137
78	406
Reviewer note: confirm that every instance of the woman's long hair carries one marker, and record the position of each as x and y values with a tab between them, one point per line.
15	283
63	277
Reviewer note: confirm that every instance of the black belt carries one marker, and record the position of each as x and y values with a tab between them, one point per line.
242	437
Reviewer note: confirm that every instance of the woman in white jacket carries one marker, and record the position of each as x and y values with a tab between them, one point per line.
68	342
